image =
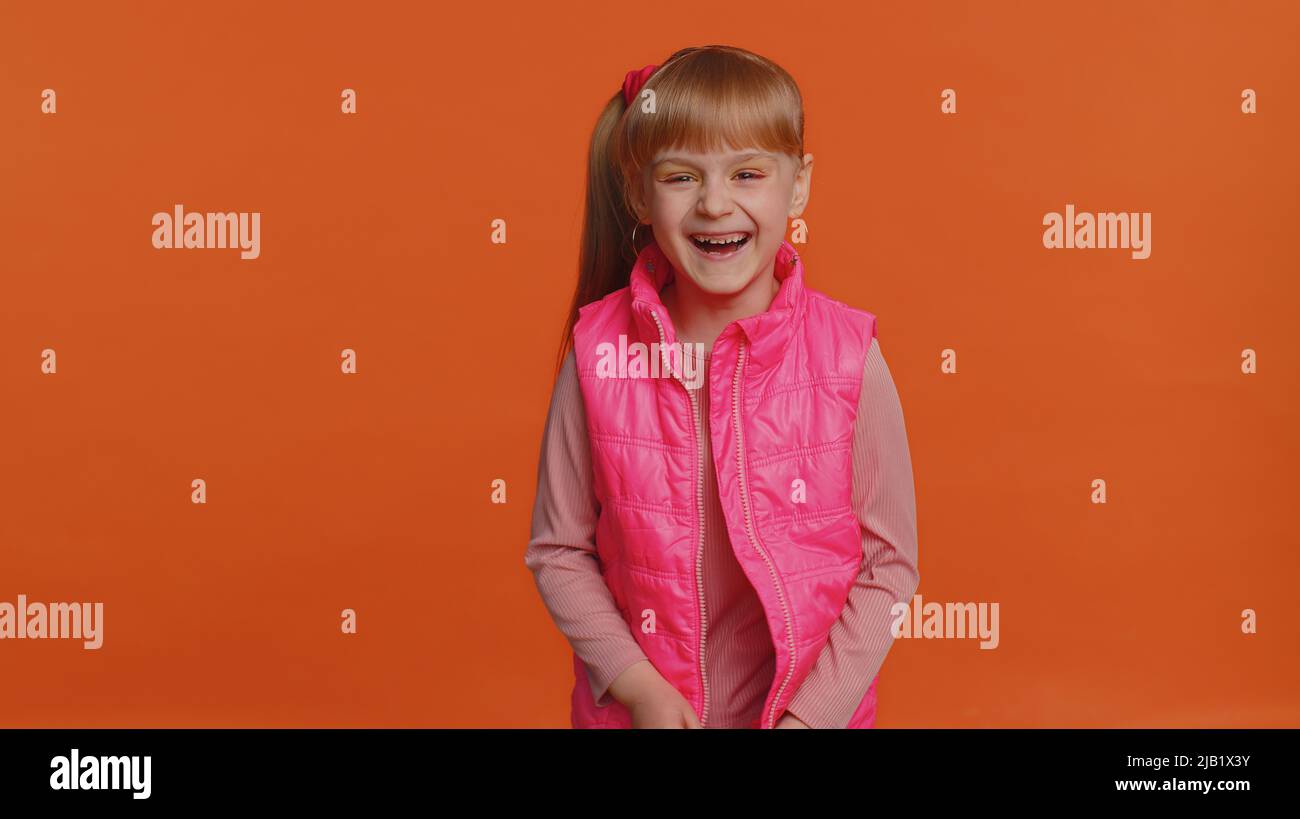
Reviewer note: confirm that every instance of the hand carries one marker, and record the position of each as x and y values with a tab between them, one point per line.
664	711
789	720
652	700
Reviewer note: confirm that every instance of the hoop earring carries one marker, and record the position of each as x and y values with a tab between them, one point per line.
635	252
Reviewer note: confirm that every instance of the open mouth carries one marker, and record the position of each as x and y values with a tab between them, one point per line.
720	245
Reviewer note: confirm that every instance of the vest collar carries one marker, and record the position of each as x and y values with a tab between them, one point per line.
768	334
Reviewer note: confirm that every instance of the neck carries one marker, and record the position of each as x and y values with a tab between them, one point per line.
700	317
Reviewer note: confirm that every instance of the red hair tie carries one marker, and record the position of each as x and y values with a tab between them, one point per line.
634	80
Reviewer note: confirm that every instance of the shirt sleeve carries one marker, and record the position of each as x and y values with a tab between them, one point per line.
885	503
561	549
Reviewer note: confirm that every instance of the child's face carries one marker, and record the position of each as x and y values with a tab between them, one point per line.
749	191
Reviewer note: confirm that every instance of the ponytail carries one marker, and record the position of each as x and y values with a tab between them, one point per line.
607	256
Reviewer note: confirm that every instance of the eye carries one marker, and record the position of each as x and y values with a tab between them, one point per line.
752	174
678	177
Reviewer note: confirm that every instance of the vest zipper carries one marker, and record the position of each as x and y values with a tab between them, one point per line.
699	496
749	527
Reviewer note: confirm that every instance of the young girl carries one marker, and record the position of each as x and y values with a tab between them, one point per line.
725	512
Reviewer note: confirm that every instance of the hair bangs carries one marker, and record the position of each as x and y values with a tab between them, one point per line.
730	103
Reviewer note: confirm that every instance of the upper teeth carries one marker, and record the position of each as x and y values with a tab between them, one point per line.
720	240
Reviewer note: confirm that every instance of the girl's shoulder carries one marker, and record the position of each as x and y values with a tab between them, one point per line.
618	298
826	300
841	317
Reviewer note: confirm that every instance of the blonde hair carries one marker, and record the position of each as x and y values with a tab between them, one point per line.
707	98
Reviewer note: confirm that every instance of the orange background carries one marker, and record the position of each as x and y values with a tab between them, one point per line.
372	491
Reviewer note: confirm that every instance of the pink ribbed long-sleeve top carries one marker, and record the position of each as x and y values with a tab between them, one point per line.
739	655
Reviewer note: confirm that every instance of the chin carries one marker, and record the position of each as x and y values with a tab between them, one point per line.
724	285
717	279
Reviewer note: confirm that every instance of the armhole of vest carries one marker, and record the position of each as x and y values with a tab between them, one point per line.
862	370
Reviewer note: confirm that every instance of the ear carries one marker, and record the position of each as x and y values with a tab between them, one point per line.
802	186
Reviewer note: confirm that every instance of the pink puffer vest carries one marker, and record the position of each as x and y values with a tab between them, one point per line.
783	395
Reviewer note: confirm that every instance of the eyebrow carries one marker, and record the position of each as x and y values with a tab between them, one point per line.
681	160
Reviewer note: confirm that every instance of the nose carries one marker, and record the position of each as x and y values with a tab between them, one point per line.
715	198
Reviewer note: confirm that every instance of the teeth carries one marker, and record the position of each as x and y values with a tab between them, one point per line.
715	240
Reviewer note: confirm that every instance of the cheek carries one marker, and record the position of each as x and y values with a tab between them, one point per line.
765	209
776	208
670	207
